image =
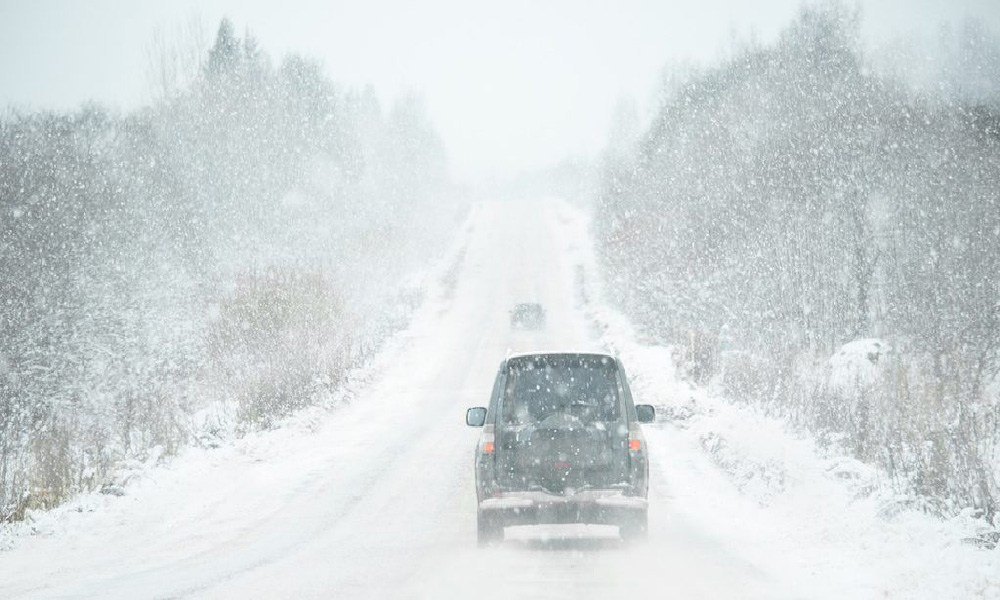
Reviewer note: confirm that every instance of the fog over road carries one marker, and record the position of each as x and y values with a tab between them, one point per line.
375	499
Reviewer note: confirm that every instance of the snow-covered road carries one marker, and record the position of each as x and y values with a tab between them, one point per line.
375	499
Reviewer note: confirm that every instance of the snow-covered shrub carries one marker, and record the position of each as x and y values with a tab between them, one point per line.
273	336
747	377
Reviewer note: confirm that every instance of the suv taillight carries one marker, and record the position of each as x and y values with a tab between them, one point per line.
635	439
487	443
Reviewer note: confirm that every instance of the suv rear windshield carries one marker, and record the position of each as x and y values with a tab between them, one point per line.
584	387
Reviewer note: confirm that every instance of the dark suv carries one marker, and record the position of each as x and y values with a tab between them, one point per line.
527	315
561	443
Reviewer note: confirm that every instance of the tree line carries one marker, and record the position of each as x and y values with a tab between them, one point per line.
794	200
200	266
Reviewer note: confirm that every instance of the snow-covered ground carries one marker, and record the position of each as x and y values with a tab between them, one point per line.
374	498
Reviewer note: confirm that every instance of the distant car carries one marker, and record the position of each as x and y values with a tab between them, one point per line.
561	443
527	315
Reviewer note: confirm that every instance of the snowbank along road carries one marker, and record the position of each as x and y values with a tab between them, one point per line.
376	499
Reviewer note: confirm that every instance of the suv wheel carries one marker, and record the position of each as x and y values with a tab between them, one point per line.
490	530
635	528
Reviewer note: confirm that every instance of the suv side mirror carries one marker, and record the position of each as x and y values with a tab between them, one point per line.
645	413
475	417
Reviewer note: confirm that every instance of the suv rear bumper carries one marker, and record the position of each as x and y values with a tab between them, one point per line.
598	507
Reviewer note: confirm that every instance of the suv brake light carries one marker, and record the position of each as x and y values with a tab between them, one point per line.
634	438
488	443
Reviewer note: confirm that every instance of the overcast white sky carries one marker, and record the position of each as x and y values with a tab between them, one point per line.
512	84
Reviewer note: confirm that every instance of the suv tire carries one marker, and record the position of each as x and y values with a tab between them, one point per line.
490	530
636	528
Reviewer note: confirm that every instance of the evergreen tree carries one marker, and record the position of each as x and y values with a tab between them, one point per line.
225	55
